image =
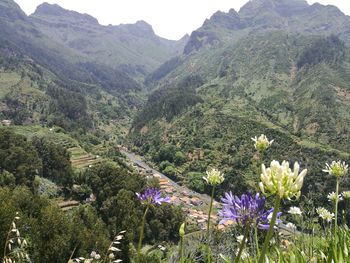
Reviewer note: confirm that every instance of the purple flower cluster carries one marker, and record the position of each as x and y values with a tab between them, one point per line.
152	196
247	210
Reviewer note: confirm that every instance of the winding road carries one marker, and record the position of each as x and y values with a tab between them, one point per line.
137	160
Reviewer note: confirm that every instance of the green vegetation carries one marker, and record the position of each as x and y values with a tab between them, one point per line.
73	91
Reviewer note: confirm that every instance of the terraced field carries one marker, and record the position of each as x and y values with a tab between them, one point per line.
81	159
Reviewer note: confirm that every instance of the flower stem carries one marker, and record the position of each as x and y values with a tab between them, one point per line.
256	241
182	250
241	247
336	206
270	231
208	223
141	235
336	214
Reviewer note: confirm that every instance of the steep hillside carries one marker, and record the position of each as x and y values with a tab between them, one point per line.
133	47
267	69
55	80
294	16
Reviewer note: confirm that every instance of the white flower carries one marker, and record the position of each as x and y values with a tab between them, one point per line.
97	256
214	177
332	197
295	211
338	169
281	180
111	256
346	194
93	254
262	143
291	226
240	239
325	214
244	254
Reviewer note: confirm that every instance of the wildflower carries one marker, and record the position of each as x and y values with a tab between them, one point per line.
93	254
262	143
338	169
346	194
240	239
294	211
246	210
111	256
325	214
214	177
291	226
152	196
281	180
244	254
332	197
98	256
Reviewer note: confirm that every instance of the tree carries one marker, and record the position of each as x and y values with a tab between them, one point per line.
56	164
18	157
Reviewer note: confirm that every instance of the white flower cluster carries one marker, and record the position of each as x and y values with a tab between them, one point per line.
346	194
261	143
214	177
337	169
279	179
332	197
295	211
325	214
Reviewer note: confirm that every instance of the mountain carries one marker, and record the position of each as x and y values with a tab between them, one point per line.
57	57
134	45
276	67
294	16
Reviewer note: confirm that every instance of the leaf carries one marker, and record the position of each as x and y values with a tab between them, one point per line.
224	258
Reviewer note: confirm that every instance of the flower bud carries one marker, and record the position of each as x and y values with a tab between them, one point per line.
182	230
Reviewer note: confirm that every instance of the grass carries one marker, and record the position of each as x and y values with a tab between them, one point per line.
7	81
53	136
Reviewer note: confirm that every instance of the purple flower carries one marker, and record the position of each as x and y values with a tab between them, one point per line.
152	196
247	210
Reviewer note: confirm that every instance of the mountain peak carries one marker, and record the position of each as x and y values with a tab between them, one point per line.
141	28
54	10
282	7
10	10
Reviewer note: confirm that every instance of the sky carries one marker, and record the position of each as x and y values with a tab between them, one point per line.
170	19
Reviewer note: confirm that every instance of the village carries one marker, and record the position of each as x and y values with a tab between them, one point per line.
195	205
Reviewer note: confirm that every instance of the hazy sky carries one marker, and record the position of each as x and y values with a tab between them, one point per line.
169	18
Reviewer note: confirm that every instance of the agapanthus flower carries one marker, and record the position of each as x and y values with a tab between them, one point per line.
152	196
261	143
246	210
279	179
332	197
295	211
325	214
214	177
338	169
346	194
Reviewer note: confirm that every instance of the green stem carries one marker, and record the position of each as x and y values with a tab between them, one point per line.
336	206
141	235
208	223
182	249
256	241
241	247
336	216
270	231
